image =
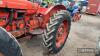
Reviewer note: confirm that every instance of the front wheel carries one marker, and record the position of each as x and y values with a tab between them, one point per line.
57	30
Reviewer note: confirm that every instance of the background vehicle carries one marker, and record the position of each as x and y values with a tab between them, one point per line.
75	10
93	7
73	7
83	4
22	17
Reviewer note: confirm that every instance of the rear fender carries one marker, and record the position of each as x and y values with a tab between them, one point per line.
48	12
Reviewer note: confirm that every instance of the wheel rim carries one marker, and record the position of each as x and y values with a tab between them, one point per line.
1	54
62	34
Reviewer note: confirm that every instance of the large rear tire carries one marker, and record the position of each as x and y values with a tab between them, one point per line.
57	30
8	44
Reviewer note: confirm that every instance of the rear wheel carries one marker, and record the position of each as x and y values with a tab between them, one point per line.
8	44
57	30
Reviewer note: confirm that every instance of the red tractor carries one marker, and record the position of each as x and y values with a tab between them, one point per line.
21	17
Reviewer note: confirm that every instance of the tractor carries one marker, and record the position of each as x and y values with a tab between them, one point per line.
18	18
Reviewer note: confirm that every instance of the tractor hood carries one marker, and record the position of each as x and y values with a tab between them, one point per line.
17	4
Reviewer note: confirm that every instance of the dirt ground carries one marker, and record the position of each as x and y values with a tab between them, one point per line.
83	34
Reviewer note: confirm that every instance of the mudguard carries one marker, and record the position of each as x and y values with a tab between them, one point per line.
8	44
